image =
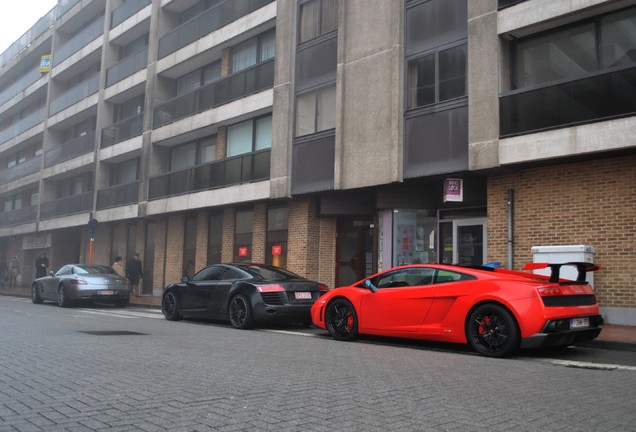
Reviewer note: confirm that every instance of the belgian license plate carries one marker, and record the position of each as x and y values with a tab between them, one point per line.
303	295
105	292
579	323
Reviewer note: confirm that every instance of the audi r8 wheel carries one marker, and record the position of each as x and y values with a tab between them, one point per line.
492	331
170	306
341	320
240	312
35	295
62	298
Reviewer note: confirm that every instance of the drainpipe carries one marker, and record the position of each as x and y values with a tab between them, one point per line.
511	220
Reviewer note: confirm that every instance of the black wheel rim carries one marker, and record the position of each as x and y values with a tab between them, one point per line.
490	332
238	312
340	320
169	305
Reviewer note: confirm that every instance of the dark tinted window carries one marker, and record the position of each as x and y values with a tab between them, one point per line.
434	23
269	273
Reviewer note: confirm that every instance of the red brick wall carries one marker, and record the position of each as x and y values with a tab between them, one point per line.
259	233
588	203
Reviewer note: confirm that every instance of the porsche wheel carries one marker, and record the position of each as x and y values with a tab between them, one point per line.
35	295
170	306
492	331
62	298
240	312
341	320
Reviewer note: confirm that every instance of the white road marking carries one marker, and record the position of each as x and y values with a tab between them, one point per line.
289	332
123	313
583	365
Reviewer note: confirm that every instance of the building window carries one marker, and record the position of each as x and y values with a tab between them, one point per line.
316	111
414	237
250	136
125	172
317	17
576	51
276	243
437	77
253	51
193	153
243	236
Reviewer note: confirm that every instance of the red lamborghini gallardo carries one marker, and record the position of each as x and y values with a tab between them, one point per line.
495	311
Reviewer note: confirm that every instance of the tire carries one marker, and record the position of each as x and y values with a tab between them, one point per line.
240	312
35	295
62	298
341	320
492	331
170	306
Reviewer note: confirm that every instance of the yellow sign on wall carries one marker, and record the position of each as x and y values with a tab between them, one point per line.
45	63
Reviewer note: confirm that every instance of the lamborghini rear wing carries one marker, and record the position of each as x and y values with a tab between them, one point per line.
555	269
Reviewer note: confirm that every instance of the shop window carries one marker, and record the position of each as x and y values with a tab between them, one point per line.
414	237
243	236
277	231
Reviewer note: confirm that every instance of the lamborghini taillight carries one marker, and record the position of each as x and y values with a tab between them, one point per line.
549	291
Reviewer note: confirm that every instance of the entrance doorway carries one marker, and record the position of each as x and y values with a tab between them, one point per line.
354	251
463	241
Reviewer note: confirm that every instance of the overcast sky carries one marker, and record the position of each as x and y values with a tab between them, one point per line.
18	16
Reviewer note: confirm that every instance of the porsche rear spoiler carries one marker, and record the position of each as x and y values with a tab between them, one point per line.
555	269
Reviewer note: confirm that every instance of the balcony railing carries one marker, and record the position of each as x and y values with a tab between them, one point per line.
75	94
20	84
231	88
227	172
67	205
79	41
20	216
122	130
28	37
596	98
23	125
126	10
127	67
22	170
207	22
118	195
70	149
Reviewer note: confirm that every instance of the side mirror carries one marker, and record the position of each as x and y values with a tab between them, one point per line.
369	284
51	274
185	279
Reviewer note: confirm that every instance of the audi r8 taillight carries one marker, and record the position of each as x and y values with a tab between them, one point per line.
271	288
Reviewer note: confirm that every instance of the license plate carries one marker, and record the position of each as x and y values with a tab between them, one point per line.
105	292
579	323
302	295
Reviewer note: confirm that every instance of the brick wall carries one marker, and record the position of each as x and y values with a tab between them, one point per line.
174	254
201	257
229	221
327	256
303	248
259	233
158	271
591	203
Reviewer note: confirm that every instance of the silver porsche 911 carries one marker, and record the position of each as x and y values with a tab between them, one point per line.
80	282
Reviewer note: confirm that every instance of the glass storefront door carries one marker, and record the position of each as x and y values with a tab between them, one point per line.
469	241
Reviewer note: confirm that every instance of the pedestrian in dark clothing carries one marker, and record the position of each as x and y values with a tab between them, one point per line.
4	269
41	264
14	272
134	273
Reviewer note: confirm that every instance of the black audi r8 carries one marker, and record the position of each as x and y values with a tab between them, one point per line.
243	293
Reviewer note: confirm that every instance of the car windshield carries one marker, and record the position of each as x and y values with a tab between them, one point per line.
268	272
94	269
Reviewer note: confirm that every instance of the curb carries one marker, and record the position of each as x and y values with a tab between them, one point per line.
608	345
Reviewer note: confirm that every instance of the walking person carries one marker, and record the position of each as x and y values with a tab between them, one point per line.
14	272
134	273
118	266
4	270
41	264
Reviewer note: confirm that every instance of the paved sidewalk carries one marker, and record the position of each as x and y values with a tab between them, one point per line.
612	336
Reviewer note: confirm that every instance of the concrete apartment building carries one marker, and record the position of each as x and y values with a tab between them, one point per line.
335	138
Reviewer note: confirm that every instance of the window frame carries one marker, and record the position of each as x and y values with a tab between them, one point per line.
316	91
